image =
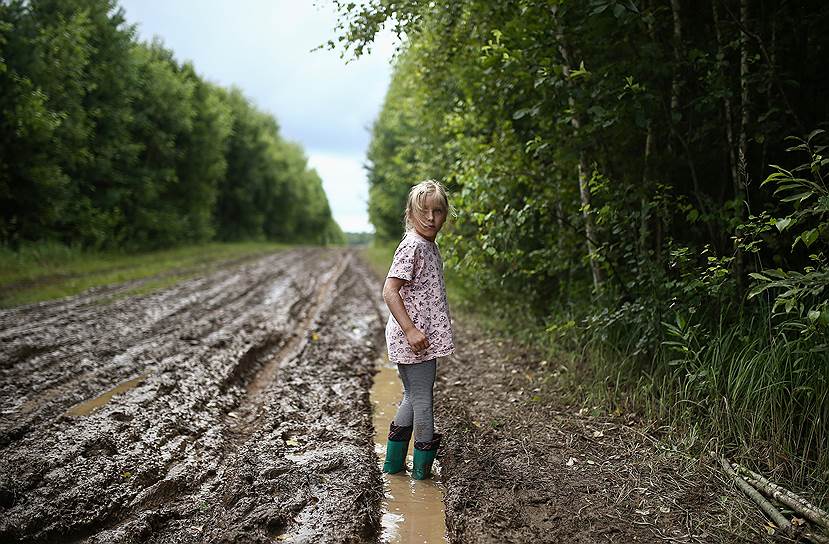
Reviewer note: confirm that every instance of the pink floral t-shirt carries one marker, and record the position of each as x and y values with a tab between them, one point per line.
418	261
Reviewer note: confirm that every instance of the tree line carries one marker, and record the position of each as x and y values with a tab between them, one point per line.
108	142
612	167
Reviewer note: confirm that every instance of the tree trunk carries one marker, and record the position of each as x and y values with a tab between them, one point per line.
583	169
742	181
646	184
589	225
677	38
727	104
744	96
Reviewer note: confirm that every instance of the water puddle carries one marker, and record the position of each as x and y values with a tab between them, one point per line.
89	406
412	509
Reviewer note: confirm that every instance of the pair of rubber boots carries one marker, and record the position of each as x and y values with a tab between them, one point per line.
397	446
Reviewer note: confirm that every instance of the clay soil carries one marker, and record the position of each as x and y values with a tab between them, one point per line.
234	407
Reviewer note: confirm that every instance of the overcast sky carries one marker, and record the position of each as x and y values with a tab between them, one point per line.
263	47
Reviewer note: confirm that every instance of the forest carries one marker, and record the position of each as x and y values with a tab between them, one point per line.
640	183
109	143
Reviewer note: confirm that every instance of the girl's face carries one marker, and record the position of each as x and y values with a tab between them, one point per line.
430	221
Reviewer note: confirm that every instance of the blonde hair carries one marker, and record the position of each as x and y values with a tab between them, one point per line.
416	198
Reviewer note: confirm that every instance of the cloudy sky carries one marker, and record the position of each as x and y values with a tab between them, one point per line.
264	47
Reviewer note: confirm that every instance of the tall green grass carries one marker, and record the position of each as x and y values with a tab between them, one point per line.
748	389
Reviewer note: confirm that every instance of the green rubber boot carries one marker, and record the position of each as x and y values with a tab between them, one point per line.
424	456
396	448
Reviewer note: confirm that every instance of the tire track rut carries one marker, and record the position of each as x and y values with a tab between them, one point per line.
251	421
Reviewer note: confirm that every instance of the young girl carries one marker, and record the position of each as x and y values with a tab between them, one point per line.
419	329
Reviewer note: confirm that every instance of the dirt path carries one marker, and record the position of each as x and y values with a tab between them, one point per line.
243	411
234	407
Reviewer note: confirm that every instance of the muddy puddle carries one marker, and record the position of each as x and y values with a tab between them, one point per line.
87	407
412	510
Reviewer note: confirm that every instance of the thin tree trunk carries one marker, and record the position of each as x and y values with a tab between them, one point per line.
779	520
677	36
677	44
786	497
727	104
744	96
648	167
646	184
583	169
769	85
589	225
745	104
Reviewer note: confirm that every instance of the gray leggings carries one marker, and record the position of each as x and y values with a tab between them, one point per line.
416	406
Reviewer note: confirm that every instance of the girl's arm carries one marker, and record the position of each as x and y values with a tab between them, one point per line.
391	294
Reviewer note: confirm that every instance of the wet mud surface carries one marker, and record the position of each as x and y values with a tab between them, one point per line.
234	407
231	407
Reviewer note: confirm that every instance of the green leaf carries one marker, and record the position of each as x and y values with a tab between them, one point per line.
776	273
809	237
757	290
782	224
814	133
800	196
581	71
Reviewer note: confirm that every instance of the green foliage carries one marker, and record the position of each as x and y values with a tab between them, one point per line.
800	294
561	126
110	143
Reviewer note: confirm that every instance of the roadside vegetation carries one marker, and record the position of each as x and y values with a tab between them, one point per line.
641	188
108	143
44	271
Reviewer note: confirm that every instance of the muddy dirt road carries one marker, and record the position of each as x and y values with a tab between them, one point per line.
231	407
234	407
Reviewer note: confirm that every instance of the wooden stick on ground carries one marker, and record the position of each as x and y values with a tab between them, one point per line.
784	496
817	539
772	512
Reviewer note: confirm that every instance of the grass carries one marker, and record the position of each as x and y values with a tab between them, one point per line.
47	271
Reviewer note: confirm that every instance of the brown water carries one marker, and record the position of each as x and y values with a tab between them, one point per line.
412	509
89	406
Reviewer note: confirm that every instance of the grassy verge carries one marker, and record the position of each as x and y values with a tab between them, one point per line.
47	271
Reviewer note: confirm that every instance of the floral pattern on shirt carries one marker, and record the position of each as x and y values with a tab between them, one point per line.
417	260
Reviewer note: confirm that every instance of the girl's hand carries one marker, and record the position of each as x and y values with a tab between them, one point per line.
417	340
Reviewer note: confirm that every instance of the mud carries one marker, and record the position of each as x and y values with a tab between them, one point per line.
234	407
231	407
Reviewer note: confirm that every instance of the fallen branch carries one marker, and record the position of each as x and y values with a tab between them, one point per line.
786	497
817	539
779	520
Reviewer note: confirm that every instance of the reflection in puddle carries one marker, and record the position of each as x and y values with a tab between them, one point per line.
89	406
412	509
